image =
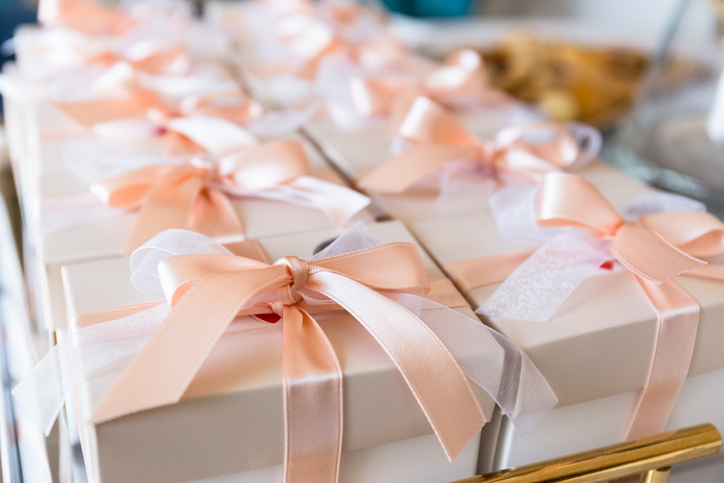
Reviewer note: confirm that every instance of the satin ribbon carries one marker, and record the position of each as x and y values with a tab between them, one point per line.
196	195
207	287
460	82
208	291
655	248
439	139
206	122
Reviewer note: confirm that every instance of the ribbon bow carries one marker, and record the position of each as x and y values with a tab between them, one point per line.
194	195
207	287
438	138
206	122
655	248
312	376
460	81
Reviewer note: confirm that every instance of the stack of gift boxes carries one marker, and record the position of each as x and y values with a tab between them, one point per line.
278	246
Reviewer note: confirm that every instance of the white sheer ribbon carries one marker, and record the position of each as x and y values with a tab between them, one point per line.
566	257
486	357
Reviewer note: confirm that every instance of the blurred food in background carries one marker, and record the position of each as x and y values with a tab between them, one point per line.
571	81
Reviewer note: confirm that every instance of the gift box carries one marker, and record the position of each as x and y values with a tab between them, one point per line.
440	163
230	422
106	236
597	348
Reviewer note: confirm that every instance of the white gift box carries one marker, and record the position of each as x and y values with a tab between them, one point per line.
386	436
105	238
358	152
596	350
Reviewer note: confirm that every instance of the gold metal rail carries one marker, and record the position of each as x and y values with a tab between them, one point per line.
650	457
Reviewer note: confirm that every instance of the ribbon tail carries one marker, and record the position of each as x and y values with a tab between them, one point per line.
678	320
161	372
401	172
312	401
168	204
433	375
217	136
43	392
491	361
540	285
483	271
214	215
339	203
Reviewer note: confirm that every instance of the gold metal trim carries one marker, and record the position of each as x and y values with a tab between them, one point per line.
652	457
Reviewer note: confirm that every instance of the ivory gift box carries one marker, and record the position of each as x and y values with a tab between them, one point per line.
358	152
239	433
105	238
596	350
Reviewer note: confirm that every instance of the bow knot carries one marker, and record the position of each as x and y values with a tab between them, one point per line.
299	270
567	200
519	153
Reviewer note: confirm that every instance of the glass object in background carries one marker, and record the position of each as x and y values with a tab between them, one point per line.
674	137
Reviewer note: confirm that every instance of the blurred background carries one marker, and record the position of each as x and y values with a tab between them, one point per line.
645	72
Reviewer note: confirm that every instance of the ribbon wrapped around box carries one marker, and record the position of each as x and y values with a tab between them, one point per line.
660	244
164	53
357	97
283	44
258	190
608	340
437	350
439	168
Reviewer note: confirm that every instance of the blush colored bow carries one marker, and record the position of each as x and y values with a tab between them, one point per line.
207	287
655	248
207	122
460	82
438	139
195	195
309	38
217	288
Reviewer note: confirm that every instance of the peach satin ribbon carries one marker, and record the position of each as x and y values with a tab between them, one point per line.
439	138
460	81
655	249
218	288
191	195
208	122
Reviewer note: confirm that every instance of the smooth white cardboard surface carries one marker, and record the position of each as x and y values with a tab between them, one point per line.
206	436
599	343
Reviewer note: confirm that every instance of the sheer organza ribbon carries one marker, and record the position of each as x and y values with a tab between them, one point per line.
460	82
435	349
518	153
580	231
196	194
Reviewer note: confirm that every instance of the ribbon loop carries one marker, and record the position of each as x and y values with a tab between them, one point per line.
648	255
520	153
568	200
